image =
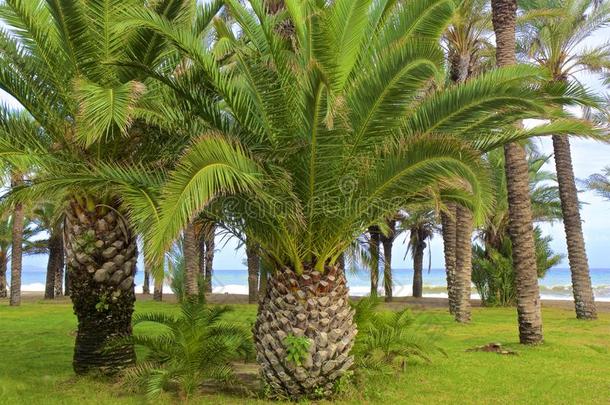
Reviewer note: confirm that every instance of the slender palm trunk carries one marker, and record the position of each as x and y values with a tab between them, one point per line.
3	268
418	269
101	255
55	262
67	286
448	221
387	242
577	254
253	271
313	306
146	285
61	264
158	291
210	246
191	261
374	251
17	250
206	232
520	211
463	264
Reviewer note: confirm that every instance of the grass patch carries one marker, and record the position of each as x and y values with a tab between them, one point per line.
572	366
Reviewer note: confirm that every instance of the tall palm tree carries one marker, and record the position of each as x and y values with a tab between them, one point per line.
59	60
553	39
296	116
467	45
504	13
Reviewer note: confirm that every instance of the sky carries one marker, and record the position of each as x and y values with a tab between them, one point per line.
588	157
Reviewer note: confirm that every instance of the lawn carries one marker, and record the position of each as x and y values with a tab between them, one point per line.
572	366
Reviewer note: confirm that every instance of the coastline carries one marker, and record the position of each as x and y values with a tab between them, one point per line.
398	302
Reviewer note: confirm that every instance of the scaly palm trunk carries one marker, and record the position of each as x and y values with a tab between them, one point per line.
60	268
206	231
448	221
3	268
55	262
520	210
313	306
191	263
210	246
418	269
101	255
460	65
253	271
463	264
146	285
577	254
158	291
374	251
387	242
17	249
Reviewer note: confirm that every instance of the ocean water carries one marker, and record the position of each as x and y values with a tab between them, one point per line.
555	285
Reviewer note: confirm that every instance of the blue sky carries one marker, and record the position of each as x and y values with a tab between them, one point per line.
588	157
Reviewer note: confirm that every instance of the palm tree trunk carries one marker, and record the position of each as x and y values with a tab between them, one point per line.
521	230
313	306
146	285
207	232
60	266
577	254
253	271
101	255
374	251
3	268
387	242
191	261
418	269
17	249
67	286
158	291
448	221
463	264
55	261
210	246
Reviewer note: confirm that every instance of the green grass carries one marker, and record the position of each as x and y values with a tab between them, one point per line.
572	366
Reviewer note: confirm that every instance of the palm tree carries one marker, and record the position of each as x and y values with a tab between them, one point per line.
59	60
504	13
553	39
467	45
293	118
6	241
206	231
387	241
48	218
421	225
491	261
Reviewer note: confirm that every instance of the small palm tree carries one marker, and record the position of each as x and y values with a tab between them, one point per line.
196	346
388	340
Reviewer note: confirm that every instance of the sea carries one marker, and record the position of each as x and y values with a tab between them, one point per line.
556	285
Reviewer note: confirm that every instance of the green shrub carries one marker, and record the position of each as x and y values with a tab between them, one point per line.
386	340
196	346
493	274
